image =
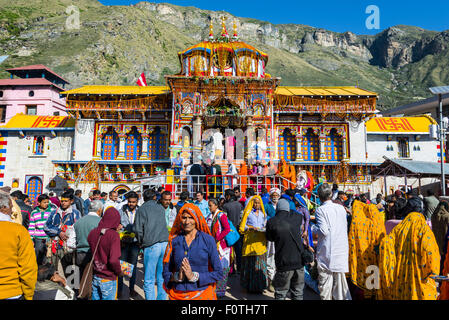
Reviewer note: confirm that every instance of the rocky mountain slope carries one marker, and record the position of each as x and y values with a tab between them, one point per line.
114	44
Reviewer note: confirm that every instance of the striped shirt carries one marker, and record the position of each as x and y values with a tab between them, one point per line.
38	219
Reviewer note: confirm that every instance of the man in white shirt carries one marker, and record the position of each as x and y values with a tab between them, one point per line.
332	249
112	201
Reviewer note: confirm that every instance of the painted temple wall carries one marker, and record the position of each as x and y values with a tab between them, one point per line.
356	142
377	148
84	139
21	162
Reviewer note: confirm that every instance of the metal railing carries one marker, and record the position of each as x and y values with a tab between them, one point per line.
211	185
214	186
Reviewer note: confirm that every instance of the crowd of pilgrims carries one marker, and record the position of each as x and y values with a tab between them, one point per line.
273	241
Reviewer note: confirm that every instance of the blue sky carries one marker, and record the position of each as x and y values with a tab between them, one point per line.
339	16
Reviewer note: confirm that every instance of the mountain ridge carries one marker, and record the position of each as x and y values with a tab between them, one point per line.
116	43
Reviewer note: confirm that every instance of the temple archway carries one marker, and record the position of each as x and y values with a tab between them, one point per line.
311	146
133	144
110	145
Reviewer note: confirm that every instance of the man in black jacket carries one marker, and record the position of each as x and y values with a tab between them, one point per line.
196	171
151	231
284	230
19	198
79	202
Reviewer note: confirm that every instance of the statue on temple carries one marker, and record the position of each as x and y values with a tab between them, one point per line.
208	146
261	148
106	173
218	145
69	174
119	173
60	172
132	173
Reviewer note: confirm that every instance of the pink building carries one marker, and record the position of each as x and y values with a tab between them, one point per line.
31	90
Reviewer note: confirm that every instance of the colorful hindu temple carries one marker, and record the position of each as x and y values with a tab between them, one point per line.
224	106
222	92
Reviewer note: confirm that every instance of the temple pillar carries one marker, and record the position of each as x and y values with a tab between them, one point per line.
196	138
322	138
98	151
344	146
299	147
250	135
121	151
145	155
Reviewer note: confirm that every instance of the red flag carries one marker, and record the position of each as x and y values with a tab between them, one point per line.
142	82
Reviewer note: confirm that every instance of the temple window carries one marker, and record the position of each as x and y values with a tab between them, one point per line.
133	145
310	146
157	144
287	146
223	64
2	113
334	146
198	65
110	145
31	110
403	148
247	65
38	145
33	187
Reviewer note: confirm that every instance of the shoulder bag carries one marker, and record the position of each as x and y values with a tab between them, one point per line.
307	256
85	290
233	236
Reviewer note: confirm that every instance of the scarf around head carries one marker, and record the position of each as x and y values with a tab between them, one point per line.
201	225
200	222
254	242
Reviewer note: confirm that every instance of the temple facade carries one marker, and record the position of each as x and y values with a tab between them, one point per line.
222	106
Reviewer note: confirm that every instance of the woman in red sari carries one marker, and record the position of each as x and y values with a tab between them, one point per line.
192	265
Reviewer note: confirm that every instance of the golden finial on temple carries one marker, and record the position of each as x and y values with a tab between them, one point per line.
224	32
211	31
235	36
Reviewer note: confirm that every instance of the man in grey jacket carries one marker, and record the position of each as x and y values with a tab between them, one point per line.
152	235
430	204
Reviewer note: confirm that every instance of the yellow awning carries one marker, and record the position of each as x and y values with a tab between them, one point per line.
418	124
119	90
283	91
26	121
323	91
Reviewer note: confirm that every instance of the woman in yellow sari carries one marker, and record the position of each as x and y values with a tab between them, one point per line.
253	275
365	233
408	257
